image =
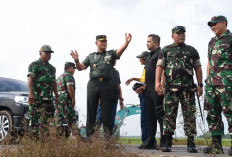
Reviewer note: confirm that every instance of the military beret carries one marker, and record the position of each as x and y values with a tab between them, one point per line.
178	28
216	19
46	48
143	54
68	64
101	37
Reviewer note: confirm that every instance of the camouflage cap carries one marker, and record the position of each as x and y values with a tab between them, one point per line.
178	28
46	48
68	64
101	37
143	54
216	19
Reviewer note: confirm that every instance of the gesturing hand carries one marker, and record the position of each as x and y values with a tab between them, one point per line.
128	37
74	55
128	81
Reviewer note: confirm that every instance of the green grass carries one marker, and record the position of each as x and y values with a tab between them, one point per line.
176	141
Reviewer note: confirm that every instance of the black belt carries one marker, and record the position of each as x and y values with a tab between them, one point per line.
100	79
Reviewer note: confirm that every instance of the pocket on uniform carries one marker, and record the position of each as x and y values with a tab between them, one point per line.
171	61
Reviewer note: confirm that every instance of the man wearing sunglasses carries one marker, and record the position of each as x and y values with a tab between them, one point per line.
218	90
178	61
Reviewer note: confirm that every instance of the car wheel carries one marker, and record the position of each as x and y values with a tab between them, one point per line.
6	125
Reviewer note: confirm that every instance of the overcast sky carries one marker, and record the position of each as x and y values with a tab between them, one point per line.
26	25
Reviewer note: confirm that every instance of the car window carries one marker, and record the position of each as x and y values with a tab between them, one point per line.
13	85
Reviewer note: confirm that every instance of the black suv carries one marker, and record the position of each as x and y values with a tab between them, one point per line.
13	106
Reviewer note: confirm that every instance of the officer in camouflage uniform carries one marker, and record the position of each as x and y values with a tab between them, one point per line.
178	61
100	83
66	90
41	85
218	91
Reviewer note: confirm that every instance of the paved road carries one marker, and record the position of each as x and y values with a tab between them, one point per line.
177	151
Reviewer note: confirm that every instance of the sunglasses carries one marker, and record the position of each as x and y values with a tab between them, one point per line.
213	24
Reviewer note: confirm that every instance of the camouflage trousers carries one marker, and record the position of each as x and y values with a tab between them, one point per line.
40	115
171	102
218	99
64	113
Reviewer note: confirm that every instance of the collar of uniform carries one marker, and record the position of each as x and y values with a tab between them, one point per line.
68	72
40	60
225	34
181	45
100	52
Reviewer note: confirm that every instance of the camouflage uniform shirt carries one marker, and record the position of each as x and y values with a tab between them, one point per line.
65	80
43	74
220	60
178	63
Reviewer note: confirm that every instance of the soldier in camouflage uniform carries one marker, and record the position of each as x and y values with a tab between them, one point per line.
41	85
218	91
178	61
66	90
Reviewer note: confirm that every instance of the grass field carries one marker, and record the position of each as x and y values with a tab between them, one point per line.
176	141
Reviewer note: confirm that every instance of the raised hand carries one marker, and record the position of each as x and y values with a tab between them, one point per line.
74	55
128	37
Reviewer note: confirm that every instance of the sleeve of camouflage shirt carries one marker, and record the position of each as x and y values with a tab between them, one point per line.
210	49
161	58
86	62
32	70
69	80
196	58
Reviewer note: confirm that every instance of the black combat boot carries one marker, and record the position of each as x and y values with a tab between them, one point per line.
230	150
215	147
162	142
168	143
191	148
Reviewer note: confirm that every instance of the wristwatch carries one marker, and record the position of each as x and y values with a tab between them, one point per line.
76	61
121	99
200	85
